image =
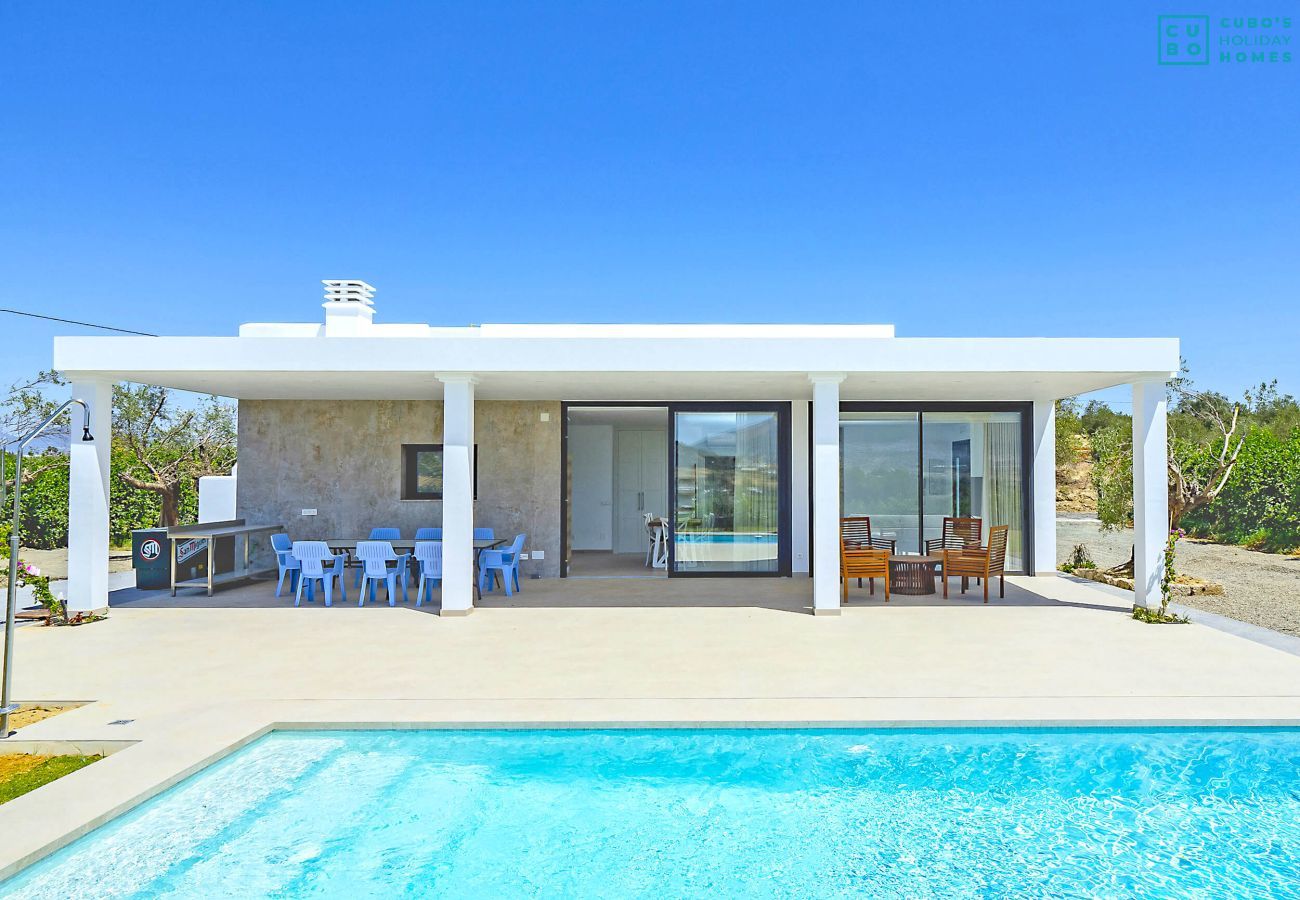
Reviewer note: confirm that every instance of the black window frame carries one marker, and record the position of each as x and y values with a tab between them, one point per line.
785	503
410	471
1027	499
784	479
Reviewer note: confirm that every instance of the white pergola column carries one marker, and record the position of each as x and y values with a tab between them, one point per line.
88	495
800	526
1150	490
457	493
826	493
1044	482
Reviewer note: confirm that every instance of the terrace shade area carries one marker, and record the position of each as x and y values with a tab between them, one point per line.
476	392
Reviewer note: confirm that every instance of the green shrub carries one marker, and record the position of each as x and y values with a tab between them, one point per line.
1079	559
1256	540
1260	505
45	506
1112	475
45	503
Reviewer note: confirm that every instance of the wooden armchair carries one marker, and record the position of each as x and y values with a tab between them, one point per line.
860	563
979	562
958	534
855	532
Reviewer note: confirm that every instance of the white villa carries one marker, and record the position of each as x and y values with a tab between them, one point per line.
746	442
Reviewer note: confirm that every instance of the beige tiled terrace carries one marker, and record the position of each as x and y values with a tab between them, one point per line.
197	676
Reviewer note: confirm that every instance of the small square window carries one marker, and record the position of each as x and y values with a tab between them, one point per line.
422	471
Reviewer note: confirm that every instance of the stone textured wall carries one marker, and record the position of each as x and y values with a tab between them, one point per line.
344	458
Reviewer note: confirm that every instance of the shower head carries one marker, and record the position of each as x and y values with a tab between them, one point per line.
85	421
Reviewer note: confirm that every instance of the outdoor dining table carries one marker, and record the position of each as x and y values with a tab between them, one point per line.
405	546
402	545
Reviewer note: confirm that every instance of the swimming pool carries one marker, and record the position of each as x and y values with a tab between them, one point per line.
724	537
916	813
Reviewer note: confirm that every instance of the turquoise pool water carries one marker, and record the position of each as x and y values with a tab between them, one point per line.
723	537
711	813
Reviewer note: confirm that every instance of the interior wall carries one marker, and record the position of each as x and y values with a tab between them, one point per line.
344	459
640	469
591	503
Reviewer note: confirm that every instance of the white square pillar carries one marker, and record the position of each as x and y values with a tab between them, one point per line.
1044	486
457	494
800	527
88	494
1150	490
826	493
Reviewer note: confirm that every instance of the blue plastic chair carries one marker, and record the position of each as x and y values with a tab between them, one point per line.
484	534
504	561
381	534
429	555
428	534
375	557
285	561
312	556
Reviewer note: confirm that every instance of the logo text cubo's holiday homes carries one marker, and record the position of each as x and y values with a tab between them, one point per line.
1186	40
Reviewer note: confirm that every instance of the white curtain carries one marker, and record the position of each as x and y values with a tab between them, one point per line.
757	492
1003	468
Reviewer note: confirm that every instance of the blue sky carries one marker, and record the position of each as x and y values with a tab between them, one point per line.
953	168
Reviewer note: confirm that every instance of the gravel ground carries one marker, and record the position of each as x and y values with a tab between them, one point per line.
1259	588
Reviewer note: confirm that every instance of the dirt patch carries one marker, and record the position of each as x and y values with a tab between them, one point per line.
31	713
12	764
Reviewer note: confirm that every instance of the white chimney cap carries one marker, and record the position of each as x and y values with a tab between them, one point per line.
348	291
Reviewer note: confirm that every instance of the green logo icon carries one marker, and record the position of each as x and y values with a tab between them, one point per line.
1184	40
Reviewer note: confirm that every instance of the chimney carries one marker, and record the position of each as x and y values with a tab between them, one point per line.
349	308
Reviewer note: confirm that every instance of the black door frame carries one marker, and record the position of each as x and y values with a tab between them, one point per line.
782	410
565	406
783	441
1026	410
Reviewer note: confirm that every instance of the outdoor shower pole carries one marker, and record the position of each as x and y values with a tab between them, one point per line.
6	706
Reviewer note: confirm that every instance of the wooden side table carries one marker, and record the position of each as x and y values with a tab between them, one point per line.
913	574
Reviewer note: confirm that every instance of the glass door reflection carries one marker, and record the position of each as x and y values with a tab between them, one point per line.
879	467
727	479
973	468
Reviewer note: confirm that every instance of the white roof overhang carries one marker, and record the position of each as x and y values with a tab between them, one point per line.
616	368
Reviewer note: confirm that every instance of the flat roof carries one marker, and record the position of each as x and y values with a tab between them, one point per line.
618	362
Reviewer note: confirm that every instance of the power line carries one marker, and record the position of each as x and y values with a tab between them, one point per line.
19	312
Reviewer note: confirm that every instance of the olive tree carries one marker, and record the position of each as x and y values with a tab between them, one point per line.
1204	444
26	405
168	444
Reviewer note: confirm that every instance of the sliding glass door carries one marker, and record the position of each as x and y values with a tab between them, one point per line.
879	463
908	468
731	493
973	468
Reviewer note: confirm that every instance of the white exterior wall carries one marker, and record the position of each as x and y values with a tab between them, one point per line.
457	494
1044	488
1150	490
800	524
826	493
218	495
88	498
